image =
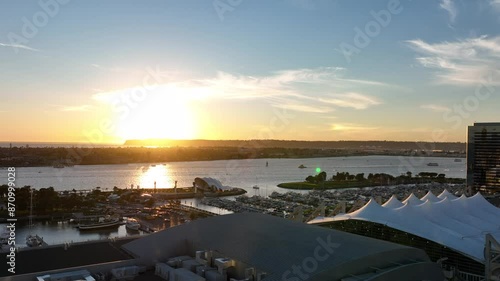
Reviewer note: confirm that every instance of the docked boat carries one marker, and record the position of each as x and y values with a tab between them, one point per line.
132	224
432	164
58	166
4	240
33	240
104	222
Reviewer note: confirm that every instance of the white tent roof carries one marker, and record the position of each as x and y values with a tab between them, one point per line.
413	200
393	203
430	196
459	224
445	194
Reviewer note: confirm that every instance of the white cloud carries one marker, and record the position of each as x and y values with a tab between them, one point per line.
303	107
350	127
436	107
495	4
450	7
305	90
471	61
352	100
19	46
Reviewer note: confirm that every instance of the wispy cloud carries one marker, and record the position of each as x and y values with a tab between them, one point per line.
115	69
450	7
352	100
471	61
495	4
350	127
317	90
435	108
304	107
19	46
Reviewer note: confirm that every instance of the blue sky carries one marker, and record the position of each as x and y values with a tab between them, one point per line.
105	71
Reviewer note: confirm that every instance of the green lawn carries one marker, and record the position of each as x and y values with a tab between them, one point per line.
356	184
325	185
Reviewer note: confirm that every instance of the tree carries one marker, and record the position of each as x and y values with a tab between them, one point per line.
46	200
310	179
360	177
321	177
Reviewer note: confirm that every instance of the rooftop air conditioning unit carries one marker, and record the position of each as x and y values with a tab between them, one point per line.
204	257
250	273
224	263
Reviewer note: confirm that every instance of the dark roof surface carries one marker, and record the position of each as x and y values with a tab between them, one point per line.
56	257
275	245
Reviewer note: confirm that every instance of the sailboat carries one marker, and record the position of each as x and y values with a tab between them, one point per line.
33	240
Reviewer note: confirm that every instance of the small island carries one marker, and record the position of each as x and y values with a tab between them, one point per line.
346	180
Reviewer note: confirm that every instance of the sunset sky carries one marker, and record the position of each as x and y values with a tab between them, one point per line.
106	71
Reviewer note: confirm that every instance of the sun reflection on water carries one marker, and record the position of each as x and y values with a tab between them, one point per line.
159	173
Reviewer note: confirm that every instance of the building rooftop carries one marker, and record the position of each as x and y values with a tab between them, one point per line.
57	257
457	223
277	246
486	123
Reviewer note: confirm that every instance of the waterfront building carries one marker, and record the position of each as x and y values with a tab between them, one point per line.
461	233
245	246
483	157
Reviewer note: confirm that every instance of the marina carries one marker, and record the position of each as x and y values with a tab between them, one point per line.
102	223
84	179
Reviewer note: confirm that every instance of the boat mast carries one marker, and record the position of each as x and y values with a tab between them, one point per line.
31	210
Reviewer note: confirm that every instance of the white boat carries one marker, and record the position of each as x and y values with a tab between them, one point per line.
4	237
132	224
4	241
104	222
33	240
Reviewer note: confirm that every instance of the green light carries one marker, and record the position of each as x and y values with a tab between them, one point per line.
318	170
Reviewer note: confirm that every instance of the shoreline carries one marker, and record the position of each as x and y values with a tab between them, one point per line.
158	162
332	185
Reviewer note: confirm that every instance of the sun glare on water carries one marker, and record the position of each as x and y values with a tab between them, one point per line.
156	173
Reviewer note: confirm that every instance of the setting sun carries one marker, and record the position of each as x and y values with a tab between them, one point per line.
163	113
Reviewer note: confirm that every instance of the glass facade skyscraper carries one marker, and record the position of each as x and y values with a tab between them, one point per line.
483	157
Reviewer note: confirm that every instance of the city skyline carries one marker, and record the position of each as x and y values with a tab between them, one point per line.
104	72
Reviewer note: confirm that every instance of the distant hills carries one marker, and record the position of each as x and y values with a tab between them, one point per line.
161	151
349	145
